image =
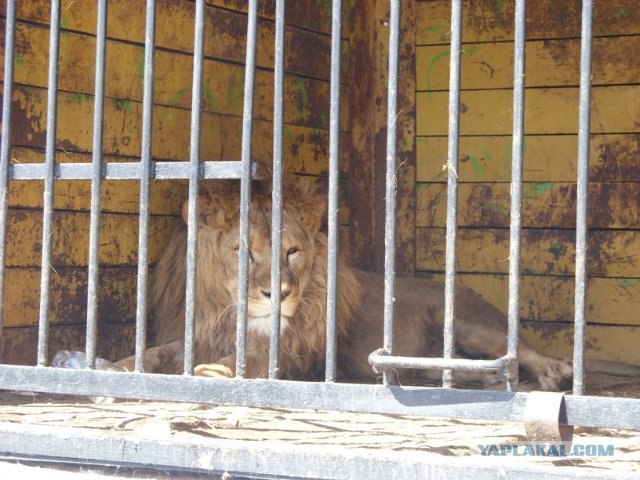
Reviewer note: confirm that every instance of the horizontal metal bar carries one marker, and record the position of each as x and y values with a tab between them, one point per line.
126	170
435	402
380	361
236	459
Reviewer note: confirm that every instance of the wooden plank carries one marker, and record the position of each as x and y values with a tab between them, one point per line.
114	341
611	253
306	149
222	82
551	298
225	32
614	109
118	238
604	342
68	296
544	205
550	63
488	20
547	158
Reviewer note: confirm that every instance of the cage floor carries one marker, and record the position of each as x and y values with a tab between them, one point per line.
322	433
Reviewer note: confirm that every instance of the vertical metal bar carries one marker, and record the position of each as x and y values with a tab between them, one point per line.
390	184
50	158
452	185
96	181
276	220
513	312
194	176
145	170
582	199
5	147
245	190
332	215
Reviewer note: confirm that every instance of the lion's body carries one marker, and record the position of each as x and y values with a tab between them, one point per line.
480	328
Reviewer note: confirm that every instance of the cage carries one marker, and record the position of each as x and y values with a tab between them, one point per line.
488	145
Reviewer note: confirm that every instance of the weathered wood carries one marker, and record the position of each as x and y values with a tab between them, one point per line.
114	341
615	109
488	20
603	342
551	298
549	63
362	146
544	205
547	158
306	149
68	296
611	253
118	238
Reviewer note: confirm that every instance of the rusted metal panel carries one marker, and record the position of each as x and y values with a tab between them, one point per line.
551	298
615	109
489	20
612	253
545	205
549	63
405	144
603	342
114	341
547	158
68	296
118	238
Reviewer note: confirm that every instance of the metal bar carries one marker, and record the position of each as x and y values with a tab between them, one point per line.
5	145
276	194
479	404
96	181
145	179
452	186
245	189
194	177
582	199
332	210
126	170
381	361
50	159
222	458
513	312
390	183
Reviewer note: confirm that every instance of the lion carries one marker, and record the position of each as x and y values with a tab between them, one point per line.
480	328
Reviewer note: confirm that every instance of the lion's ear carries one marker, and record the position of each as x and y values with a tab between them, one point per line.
217	205
310	204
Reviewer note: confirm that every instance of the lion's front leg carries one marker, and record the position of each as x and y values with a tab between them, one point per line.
168	358
226	368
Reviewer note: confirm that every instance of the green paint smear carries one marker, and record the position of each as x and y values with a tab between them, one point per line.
124	105
211	98
476	164
140	69
500	8
64	24
176	97
80	98
301	88
323	118
19	61
432	64
629	282
441	31
235	91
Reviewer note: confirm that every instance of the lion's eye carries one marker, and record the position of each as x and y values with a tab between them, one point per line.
292	251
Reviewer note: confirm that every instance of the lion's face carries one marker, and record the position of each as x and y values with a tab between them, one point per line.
221	228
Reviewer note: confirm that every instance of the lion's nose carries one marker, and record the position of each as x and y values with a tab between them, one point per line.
284	293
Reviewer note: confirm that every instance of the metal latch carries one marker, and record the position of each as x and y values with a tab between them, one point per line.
543	414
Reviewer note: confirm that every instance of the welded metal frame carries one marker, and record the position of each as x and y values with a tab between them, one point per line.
386	398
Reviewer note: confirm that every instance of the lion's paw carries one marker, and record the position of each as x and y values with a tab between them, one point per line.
213	370
556	376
